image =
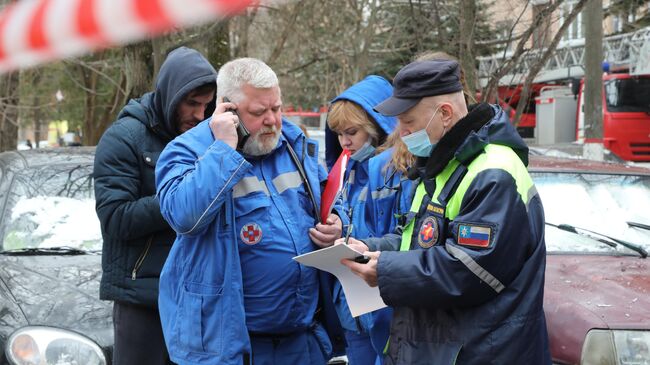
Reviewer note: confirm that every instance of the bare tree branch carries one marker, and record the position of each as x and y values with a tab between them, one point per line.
537	66
490	89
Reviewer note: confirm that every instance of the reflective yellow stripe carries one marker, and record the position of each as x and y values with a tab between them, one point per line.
415	207
495	157
385	352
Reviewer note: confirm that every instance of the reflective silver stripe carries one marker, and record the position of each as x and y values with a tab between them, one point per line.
363	194
383	193
475	268
288	180
249	185
353	174
532	192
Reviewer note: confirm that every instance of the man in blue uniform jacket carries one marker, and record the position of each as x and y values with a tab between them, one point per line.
230	292
465	274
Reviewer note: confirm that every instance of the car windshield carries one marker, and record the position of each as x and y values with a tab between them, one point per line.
628	95
49	206
602	203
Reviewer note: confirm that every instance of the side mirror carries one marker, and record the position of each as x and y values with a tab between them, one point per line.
575	87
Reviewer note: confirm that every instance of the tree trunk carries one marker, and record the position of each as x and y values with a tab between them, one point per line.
9	111
466	43
157	49
593	91
138	67
37	113
217	45
239	31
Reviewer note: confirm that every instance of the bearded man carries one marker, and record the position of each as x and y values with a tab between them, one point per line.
230	292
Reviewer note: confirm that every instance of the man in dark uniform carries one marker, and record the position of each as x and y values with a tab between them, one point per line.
465	270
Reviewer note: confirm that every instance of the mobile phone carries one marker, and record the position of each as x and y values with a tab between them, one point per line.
363	259
242	132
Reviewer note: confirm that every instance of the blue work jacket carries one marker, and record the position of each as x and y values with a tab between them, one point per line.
201	299
367	93
387	200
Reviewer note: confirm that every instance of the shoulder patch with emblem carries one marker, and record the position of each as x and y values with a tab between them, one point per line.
251	233
474	235
429	231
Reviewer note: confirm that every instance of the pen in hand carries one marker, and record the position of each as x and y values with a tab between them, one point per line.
348	233
363	259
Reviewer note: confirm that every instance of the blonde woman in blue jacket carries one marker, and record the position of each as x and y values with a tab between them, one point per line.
352	124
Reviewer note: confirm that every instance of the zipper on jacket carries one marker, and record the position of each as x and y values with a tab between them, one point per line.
140	260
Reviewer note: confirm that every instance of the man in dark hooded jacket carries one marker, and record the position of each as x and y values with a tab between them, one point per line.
137	239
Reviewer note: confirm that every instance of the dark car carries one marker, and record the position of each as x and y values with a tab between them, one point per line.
50	260
597	292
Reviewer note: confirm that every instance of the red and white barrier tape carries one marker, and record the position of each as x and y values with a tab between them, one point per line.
36	31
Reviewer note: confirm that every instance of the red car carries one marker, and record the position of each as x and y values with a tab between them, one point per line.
597	292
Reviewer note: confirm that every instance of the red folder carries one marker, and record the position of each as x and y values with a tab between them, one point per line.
334	185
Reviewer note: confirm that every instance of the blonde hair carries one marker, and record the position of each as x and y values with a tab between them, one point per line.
345	114
401	159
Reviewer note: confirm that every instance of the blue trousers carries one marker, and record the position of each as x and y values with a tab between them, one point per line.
359	349
309	347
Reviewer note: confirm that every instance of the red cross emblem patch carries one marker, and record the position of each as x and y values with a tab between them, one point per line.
251	233
429	232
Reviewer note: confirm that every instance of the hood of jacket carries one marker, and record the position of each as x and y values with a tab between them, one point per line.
366	93
484	124
184	70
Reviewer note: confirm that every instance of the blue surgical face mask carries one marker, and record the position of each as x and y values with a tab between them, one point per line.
364	152
418	143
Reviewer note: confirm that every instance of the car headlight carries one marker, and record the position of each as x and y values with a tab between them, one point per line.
616	347
632	347
52	346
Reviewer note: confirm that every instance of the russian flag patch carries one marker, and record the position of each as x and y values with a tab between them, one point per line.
475	236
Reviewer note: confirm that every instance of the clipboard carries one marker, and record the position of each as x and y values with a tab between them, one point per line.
361	298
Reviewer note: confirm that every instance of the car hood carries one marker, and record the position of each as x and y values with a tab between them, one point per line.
60	291
594	291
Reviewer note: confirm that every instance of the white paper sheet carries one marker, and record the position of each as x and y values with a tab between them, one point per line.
361	297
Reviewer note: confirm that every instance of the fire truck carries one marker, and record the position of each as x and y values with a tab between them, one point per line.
556	94
626	115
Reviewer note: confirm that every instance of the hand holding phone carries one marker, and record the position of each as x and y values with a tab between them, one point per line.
242	132
223	124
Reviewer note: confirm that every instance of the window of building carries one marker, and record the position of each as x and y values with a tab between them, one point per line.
575	30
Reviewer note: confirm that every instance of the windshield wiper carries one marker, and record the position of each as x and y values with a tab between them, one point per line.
639	225
610	241
61	250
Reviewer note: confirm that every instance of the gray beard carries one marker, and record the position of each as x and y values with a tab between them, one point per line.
254	147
